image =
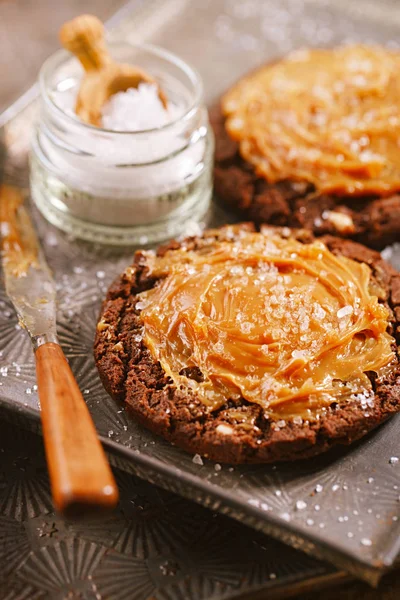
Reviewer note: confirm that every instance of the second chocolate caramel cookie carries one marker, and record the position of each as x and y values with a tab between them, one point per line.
313	141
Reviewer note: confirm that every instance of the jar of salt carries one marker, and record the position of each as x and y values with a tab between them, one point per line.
145	173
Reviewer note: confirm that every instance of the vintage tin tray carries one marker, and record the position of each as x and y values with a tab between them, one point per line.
342	507
155	545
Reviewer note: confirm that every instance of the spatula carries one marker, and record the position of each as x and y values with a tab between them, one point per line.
103	77
81	479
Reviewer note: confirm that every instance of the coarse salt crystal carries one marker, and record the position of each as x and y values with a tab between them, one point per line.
344	311
140	305
301	505
387	253
299	354
197	459
246	327
254	502
224	429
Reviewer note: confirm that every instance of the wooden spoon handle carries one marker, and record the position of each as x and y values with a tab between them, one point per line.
84	37
81	478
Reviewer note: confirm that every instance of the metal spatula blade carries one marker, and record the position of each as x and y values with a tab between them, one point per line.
81	479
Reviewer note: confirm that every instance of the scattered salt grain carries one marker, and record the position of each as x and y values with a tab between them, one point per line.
393	460
224	429
246	327
217	467
197	459
254	502
299	354
301	505
344	311
366	542
140	305
318	488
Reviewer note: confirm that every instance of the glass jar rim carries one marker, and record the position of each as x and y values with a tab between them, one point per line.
61	55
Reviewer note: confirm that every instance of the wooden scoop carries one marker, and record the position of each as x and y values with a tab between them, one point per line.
84	37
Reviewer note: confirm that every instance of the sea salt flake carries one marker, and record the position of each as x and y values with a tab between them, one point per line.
285	516
299	354
387	253
140	305
301	505
246	327
366	542
197	460
254	502
344	311
224	429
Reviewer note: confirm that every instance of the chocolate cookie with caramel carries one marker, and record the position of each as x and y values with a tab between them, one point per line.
313	141
254	346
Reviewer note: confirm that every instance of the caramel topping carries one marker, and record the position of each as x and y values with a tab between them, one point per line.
289	326
18	241
330	117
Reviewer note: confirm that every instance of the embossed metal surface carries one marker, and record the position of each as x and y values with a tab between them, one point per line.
155	545
343	507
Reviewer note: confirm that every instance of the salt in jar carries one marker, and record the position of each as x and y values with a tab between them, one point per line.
142	177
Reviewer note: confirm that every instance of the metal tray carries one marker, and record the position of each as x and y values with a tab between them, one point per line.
342	507
159	544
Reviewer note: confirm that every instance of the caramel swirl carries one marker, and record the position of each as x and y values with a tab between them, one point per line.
330	117
287	325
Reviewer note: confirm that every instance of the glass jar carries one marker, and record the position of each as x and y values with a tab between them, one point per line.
122	187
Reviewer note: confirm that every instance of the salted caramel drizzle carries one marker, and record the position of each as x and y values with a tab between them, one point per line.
329	117
19	248
286	325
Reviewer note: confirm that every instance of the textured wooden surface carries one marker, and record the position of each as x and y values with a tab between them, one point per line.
28	34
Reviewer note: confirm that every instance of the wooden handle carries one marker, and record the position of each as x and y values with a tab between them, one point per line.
81	479
84	37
